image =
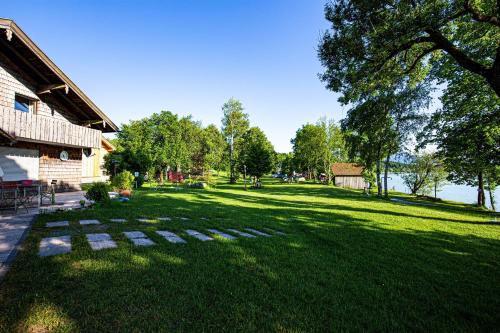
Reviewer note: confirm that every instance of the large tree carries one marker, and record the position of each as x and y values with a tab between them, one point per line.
234	125
381	124
466	131
374	41
335	149
256	155
309	149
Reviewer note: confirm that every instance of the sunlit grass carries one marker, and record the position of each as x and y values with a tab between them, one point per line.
348	262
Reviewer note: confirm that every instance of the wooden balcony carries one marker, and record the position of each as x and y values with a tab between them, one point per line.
36	128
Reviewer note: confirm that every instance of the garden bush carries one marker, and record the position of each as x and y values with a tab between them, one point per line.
124	180
98	192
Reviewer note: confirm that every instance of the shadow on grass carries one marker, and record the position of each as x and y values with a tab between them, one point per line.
333	271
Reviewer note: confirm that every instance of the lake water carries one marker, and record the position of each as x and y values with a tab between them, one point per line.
461	193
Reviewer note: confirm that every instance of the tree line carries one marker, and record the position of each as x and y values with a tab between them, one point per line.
166	142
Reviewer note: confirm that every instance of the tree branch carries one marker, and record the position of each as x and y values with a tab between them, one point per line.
417	59
463	60
481	17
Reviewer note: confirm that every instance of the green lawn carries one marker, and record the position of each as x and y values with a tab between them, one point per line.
348	262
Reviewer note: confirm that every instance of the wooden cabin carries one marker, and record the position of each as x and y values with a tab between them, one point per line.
49	129
348	175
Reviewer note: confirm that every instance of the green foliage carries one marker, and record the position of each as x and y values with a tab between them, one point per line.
309	149
165	141
424	172
373	43
257	153
98	192
466	131
124	180
234	125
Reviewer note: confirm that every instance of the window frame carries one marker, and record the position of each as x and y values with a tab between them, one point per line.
32	103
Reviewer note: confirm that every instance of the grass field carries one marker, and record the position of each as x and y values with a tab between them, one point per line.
348	262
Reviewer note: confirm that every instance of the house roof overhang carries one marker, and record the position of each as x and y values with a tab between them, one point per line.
49	78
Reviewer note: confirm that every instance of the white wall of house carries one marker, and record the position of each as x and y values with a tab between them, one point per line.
19	163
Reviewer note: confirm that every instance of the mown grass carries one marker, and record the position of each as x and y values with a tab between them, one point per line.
348	262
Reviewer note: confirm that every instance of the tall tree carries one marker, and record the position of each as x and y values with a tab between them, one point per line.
309	146
374	41
257	154
380	125
466	131
234	125
213	147
335	150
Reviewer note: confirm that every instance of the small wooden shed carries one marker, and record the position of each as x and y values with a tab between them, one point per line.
348	175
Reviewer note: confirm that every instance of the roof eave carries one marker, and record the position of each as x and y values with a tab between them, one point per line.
12	28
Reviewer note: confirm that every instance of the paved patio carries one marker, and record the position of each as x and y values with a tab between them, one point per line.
14	227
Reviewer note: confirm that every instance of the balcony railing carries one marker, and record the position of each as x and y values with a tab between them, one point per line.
26	126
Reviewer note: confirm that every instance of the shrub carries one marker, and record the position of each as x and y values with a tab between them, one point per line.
98	192
123	180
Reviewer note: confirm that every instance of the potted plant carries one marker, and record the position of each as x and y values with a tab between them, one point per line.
82	203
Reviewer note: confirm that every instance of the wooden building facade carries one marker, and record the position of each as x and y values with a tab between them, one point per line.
348	175
49	129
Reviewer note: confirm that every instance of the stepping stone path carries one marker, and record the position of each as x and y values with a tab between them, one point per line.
241	233
138	238
257	232
277	232
198	235
89	222
170	236
222	234
57	224
118	220
165	218
52	246
100	241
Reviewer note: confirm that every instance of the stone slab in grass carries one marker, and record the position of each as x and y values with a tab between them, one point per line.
204	218
89	222
165	218
134	234
57	224
241	233
184	218
100	241
142	242
118	220
170	236
98	237
257	232
96	246
52	246
222	234
198	235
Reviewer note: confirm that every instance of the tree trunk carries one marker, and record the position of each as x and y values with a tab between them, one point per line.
480	190
386	173
379	183
232	179
491	190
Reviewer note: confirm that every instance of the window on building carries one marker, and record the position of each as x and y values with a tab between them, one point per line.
24	104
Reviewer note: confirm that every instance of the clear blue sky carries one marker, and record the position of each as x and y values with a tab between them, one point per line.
133	58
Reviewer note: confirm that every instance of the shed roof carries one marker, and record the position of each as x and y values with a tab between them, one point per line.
34	62
347	169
